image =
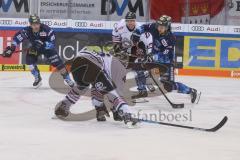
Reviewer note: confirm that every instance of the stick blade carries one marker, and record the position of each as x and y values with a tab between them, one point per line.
219	125
176	106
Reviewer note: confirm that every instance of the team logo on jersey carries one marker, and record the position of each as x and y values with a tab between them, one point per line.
99	86
164	42
43	34
156	45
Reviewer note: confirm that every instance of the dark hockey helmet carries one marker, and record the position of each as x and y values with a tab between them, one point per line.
34	19
164	20
130	16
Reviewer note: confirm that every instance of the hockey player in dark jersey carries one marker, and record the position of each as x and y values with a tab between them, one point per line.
42	39
163	52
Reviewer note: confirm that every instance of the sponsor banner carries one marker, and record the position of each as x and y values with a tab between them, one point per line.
178	27
13	67
233	14
92	9
108	25
69	44
119	8
214	53
203	54
194	28
74	9
232	29
22	67
235	74
57	23
209	73
14	22
14	8
89	24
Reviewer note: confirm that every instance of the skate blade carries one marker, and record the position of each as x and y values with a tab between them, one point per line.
131	126
37	86
199	96
140	100
54	117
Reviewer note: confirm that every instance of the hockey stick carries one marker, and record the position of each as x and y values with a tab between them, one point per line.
18	51
181	105
213	129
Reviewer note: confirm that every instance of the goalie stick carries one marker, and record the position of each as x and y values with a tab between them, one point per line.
213	129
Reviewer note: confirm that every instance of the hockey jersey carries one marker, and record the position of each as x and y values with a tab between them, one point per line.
46	35
111	65
121	34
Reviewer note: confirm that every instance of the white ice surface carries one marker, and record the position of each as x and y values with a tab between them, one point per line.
27	131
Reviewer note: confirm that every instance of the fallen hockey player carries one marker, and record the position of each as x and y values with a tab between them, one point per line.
90	68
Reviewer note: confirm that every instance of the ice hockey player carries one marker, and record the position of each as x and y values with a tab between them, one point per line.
121	37
90	68
163	52
42	39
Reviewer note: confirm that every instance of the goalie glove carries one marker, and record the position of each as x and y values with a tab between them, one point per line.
141	50
9	51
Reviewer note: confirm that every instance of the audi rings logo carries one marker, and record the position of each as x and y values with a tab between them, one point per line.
237	30
49	23
80	24
197	28
5	22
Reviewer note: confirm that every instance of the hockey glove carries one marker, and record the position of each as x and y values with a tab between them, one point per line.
117	47
9	51
135	38
38	44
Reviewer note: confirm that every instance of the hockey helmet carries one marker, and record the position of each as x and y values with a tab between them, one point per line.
164	20
130	16
34	19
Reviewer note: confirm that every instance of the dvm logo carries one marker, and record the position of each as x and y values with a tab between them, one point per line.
6	4
119	8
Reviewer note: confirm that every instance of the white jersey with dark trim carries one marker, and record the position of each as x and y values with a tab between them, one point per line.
122	34
102	61
111	65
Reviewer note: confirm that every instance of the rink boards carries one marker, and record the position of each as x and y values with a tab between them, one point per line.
205	50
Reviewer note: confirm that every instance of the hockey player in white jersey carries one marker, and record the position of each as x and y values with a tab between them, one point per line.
121	37
91	68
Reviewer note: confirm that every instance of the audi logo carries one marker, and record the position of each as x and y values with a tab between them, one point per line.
197	28
80	24
5	22
237	30
49	23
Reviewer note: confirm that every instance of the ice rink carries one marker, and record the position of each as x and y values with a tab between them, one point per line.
28	132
